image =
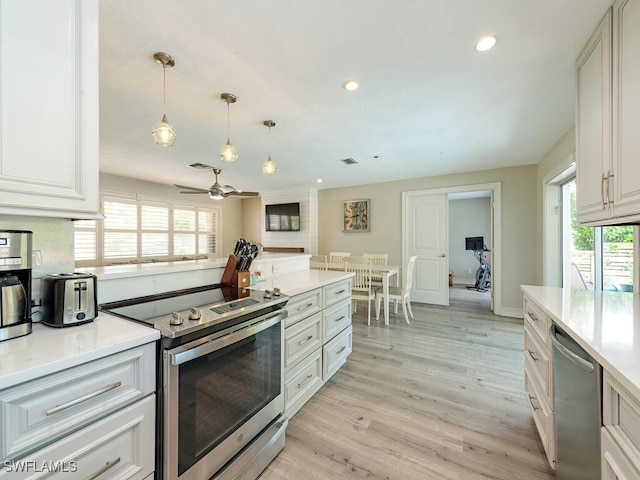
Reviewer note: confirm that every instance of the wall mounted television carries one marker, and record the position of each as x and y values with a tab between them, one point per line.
283	217
474	243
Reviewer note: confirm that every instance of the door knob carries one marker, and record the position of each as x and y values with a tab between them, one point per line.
442	255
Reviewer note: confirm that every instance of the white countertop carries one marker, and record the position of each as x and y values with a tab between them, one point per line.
605	324
295	283
47	349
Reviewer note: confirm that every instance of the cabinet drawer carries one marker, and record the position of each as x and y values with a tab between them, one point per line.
301	339
538	320
119	446
615	464
621	416
335	353
302	382
303	305
538	364
36	413
336	318
337	291
543	418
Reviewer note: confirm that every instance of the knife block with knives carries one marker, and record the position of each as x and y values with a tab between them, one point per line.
232	277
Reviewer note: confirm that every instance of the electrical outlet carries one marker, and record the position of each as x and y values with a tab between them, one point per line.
36	263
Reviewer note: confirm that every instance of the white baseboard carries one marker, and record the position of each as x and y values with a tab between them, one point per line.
511	312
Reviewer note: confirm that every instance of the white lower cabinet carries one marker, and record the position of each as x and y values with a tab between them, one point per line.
119	446
317	340
538	369
620	437
91	421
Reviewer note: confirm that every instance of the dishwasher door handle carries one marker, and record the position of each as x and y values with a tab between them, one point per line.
580	362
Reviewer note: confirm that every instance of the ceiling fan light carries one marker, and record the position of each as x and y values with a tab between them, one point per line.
269	167
163	133
215	196
228	153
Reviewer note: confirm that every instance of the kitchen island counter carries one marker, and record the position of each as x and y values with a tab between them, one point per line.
605	324
295	283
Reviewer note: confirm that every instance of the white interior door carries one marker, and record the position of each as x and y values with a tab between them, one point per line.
426	227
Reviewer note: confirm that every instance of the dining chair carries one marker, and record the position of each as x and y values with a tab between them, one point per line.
361	285
338	257
377	259
318	262
397	294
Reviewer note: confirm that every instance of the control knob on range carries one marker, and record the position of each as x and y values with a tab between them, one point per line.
194	314
276	292
176	319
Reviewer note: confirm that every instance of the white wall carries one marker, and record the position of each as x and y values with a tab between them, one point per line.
519	236
467	218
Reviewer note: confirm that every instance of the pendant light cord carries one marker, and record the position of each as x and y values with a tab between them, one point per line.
227	120
164	89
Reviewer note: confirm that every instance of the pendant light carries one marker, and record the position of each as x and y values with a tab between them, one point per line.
163	133
269	166
228	154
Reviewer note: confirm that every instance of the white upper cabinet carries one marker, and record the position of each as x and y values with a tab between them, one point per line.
626	108
607	116
593	124
49	108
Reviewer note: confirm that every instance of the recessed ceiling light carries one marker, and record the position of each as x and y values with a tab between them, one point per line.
486	43
319	180
350	85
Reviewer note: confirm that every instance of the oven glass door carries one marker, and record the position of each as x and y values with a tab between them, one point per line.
220	389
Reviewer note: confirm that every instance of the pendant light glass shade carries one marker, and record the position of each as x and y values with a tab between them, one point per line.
163	133
269	166
228	153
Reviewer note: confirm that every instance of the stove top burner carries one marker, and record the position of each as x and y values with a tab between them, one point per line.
182	312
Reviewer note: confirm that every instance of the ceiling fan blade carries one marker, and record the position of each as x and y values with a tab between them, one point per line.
197	192
195	189
243	194
228	189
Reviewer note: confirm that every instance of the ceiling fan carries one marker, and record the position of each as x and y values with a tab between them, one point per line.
217	191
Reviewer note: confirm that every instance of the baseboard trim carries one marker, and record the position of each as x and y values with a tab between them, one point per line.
511	312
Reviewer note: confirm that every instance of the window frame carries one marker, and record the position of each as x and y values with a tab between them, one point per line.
139	201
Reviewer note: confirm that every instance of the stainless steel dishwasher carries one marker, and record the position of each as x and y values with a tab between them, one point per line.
578	407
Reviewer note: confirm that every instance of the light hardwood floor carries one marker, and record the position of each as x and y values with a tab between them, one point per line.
441	398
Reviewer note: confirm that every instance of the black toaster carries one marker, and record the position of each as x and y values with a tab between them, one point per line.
68	299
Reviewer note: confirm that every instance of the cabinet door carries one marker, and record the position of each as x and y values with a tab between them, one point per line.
49	107
615	464
626	107
593	125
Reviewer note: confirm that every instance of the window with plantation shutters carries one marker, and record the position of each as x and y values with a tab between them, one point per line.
139	230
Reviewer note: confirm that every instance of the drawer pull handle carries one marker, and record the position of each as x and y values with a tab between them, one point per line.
309	377
531	399
340	291
306	340
533	357
107	466
72	403
344	347
341	318
304	307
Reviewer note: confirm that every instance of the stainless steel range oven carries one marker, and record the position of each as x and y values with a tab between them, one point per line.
221	380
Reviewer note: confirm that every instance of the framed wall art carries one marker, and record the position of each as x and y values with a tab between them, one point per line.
356	216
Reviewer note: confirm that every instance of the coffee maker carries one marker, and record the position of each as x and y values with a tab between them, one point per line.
15	283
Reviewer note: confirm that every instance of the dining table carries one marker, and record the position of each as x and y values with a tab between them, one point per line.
386	272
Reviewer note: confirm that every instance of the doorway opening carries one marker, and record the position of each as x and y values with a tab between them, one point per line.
470	241
425	227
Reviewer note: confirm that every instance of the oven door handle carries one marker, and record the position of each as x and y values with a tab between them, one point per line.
185	353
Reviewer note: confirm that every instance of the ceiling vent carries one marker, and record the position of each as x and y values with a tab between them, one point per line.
348	161
201	166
